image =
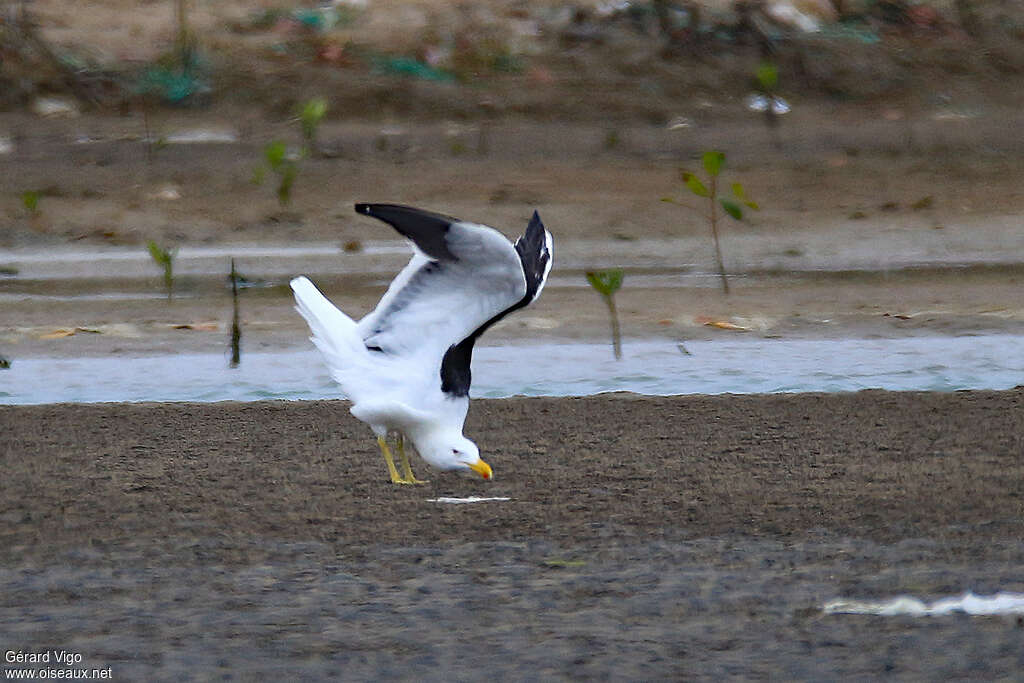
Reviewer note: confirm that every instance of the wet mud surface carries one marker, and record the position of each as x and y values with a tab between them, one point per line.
644	538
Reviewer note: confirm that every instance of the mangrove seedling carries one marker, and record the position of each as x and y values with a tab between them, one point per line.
606	283
185	41
284	166
310	115
30	200
165	258
767	77
713	162
236	330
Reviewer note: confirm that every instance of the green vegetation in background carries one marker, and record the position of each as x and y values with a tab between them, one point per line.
606	283
713	162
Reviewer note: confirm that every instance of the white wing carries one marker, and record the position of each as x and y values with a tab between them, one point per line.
434	304
418	260
415	349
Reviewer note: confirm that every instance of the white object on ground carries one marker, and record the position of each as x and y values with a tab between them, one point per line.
471	499
55	107
968	603
807	16
760	103
201	136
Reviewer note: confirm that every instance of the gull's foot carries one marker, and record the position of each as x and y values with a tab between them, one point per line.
411	480
395	479
407	478
407	474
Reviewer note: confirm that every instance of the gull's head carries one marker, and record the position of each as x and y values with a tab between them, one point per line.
454	452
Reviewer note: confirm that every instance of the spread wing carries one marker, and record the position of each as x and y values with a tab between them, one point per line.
462	276
535	250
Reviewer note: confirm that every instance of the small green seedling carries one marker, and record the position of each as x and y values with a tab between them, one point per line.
606	283
457	148
30	200
767	77
165	258
612	139
562	563
311	113
286	168
713	162
185	41
236	329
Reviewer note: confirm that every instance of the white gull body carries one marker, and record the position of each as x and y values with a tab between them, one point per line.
406	365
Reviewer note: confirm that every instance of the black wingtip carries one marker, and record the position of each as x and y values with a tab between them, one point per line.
535	231
535	255
425	228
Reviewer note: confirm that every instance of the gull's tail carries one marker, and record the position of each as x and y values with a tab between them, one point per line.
334	333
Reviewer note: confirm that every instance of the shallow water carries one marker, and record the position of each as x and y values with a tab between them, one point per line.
64	263
749	365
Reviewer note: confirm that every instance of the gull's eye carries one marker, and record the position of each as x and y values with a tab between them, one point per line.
455	451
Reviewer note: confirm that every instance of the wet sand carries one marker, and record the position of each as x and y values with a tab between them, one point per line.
644	538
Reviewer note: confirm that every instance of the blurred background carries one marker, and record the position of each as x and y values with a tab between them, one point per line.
519	84
865	175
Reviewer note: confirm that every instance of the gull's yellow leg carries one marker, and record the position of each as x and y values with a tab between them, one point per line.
406	467
395	479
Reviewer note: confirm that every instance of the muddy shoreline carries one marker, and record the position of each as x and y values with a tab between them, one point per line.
645	537
858	234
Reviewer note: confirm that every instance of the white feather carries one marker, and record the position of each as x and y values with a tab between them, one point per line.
423	313
365	377
389	363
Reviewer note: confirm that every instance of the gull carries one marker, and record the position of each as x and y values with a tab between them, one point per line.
406	365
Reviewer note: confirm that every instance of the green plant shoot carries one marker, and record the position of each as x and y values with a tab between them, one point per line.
606	283
310	115
30	200
164	258
287	170
713	162
767	75
236	328
275	153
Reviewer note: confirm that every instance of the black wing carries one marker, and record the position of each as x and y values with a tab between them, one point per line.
426	229
534	249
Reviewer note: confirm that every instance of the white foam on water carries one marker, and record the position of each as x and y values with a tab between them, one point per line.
968	603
